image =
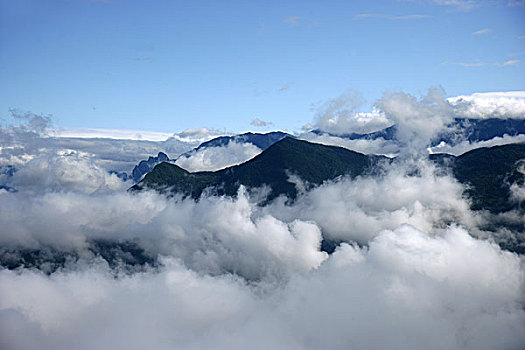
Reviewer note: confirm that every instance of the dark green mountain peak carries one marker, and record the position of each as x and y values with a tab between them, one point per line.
313	163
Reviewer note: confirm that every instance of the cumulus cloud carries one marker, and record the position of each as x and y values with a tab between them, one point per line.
348	210
33	122
408	270
418	121
406	290
339	116
490	105
517	190
122	155
32	135
20	141
517	193
66	171
215	158
233	274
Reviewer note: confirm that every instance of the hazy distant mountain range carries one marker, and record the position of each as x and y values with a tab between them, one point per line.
472	130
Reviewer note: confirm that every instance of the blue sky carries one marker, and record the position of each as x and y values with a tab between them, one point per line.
172	65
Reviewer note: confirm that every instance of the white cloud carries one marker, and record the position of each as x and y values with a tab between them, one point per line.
349	210
112	150
406	290
418	121
291	21
392	17
215	158
379	145
517	193
482	31
339	116
235	275
113	134
466	64
261	123
509	63
198	135
69	171
464	5
482	64
465	146
514	3
490	105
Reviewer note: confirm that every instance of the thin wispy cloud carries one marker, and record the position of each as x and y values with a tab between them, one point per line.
513	3
391	17
509	63
464	64
467	5
142	59
459	4
482	64
291	21
284	88
522	37
261	123
482	31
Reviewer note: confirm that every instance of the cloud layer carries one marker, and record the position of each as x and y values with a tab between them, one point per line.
339	116
215	158
412	268
33	136
490	105
428	116
405	291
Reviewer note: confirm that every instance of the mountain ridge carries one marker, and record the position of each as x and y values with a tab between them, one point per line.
272	167
487	172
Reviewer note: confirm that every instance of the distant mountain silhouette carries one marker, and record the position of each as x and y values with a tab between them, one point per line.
145	166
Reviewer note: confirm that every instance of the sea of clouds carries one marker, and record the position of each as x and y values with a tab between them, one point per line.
341	116
412	269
